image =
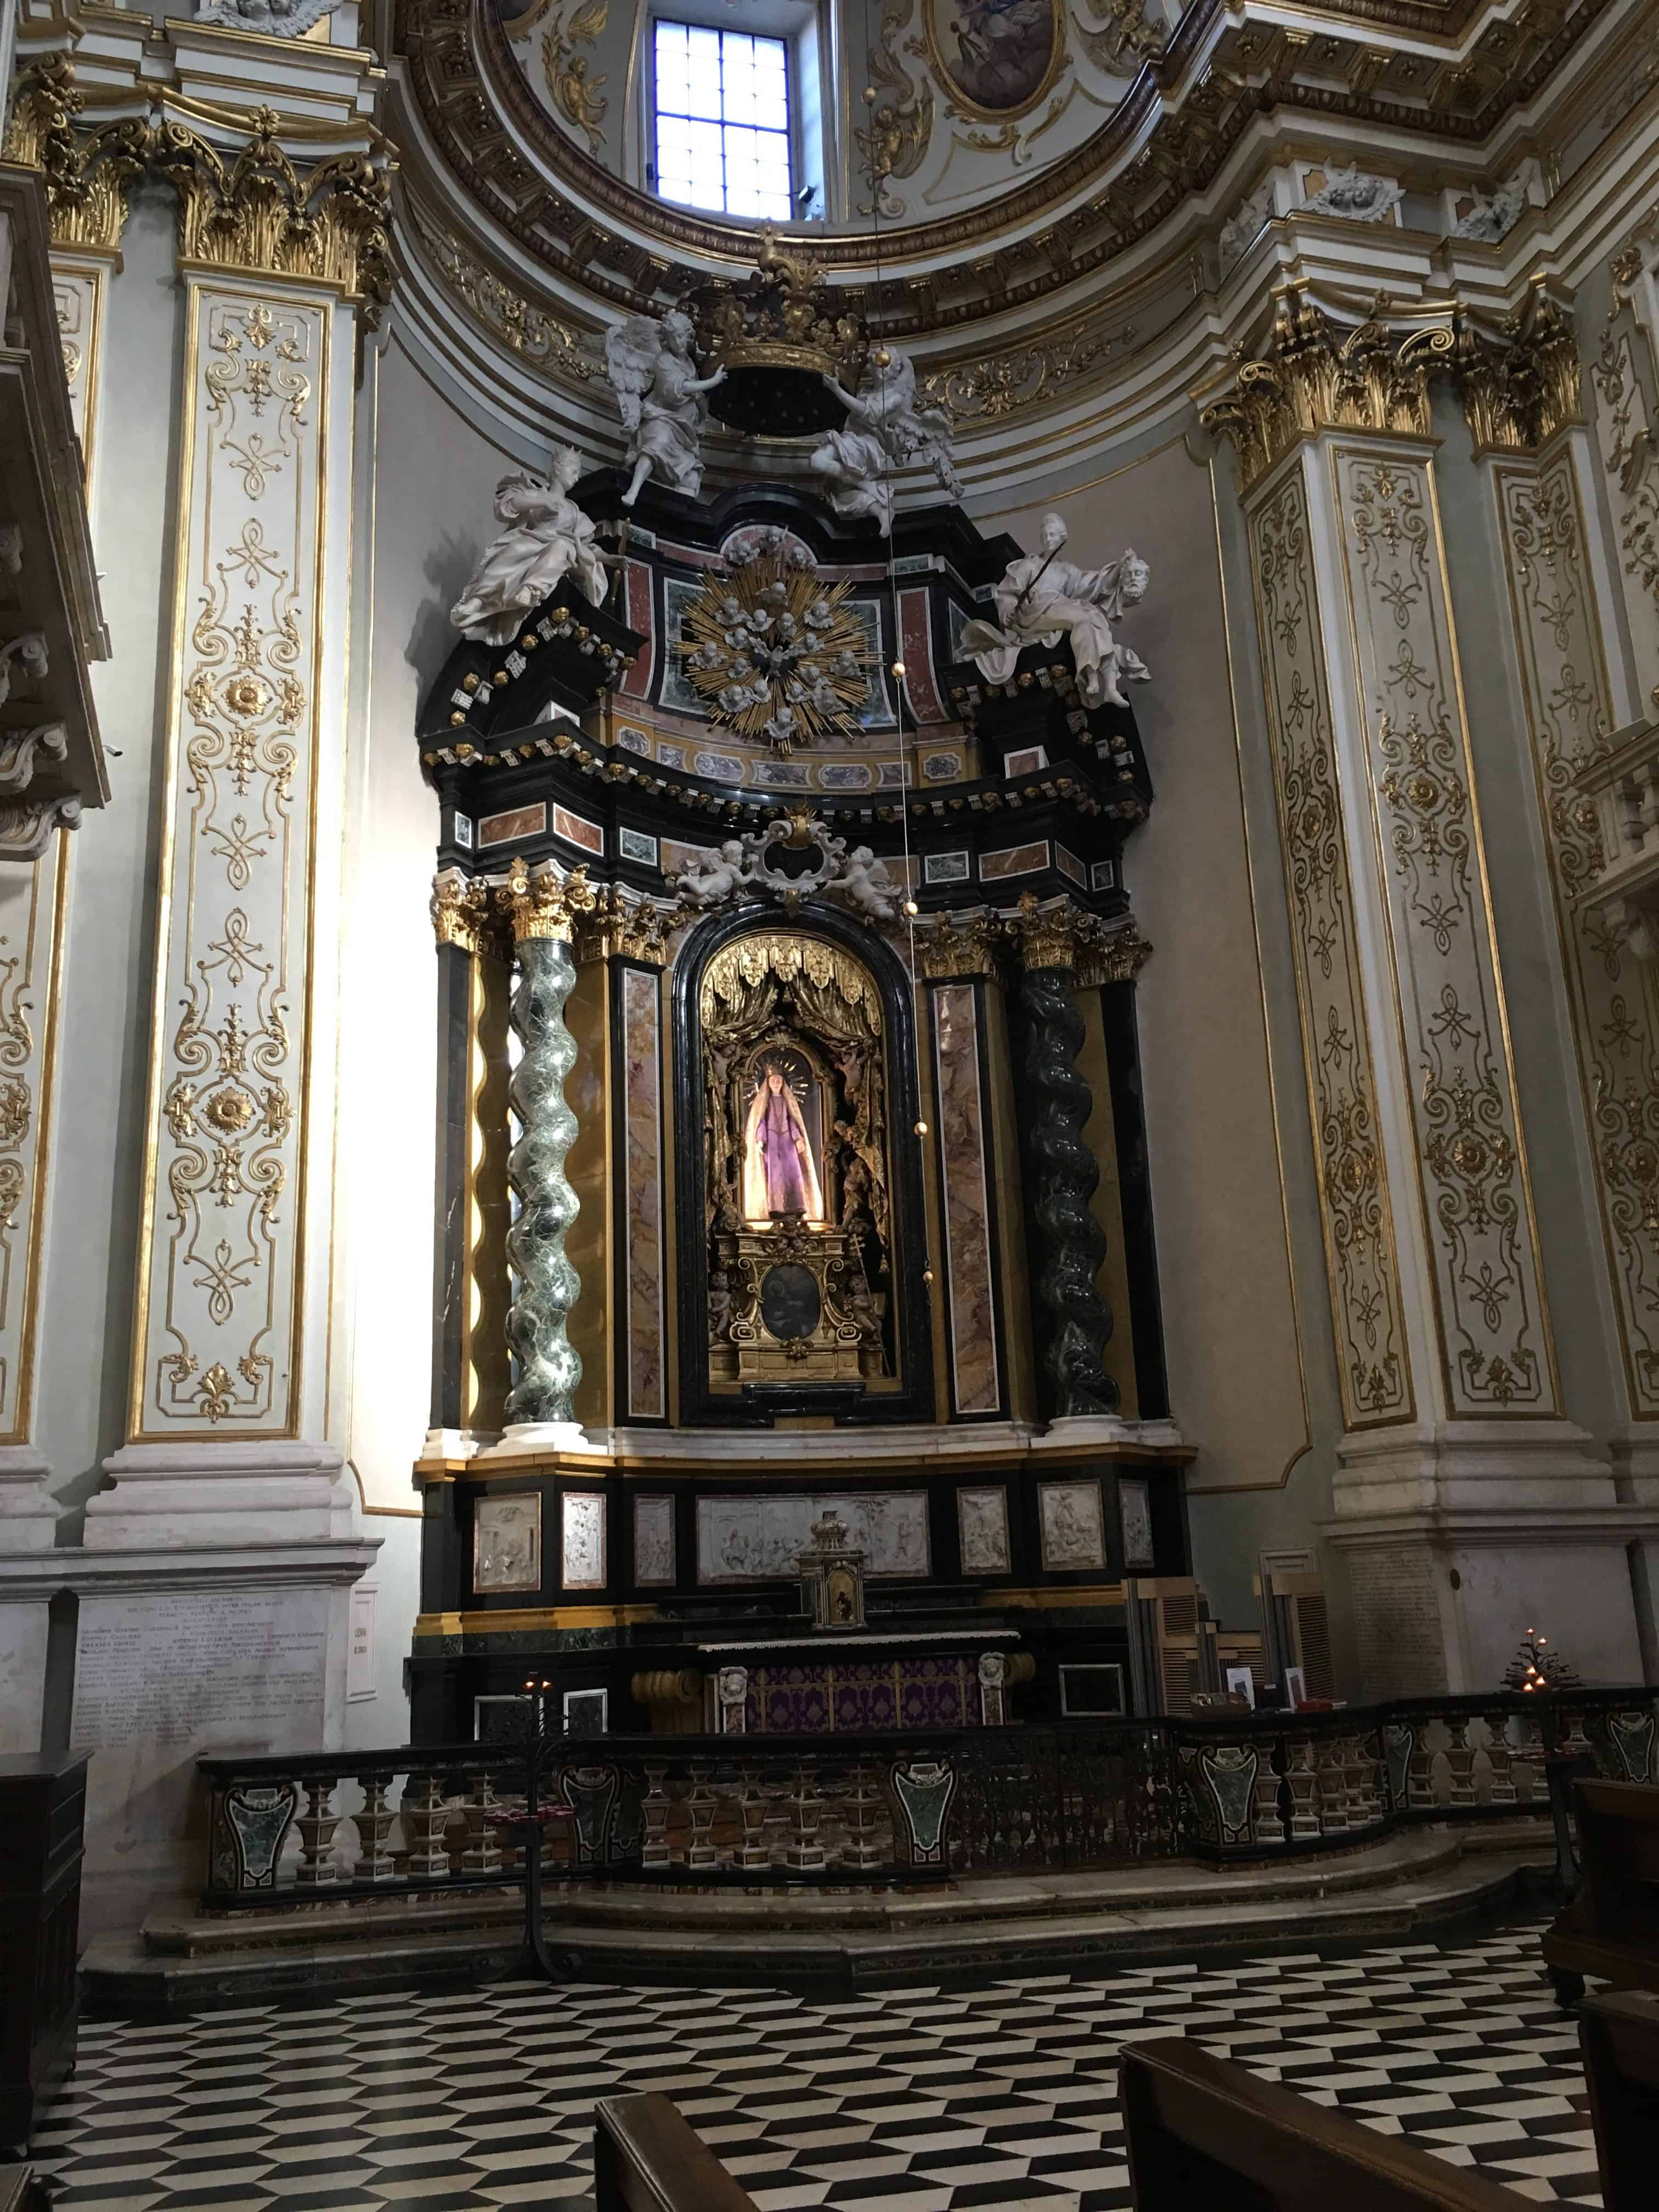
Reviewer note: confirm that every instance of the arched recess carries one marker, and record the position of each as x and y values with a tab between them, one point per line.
908	1396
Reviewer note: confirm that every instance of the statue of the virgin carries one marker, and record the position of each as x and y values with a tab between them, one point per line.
779	1173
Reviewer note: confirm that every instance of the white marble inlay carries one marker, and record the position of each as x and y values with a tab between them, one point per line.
982	1531
653	1542
1073	1534
507	1544
759	1539
583	1551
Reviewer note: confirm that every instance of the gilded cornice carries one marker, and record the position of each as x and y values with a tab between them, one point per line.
544	906
1518	385
90	173
258	213
1186	108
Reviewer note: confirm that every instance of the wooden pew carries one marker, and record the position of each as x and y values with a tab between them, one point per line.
1620	2038
648	2158
1610	1927
1204	2131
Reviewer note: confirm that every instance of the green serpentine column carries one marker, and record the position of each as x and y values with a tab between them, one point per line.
542	911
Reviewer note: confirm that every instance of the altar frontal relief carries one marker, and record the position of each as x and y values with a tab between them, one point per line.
995	57
797	1190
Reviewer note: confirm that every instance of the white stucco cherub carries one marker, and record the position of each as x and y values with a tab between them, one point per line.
707	879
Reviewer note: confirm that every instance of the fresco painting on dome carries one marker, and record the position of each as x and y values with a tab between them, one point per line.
997	56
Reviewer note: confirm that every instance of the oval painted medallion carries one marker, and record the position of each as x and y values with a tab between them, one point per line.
995	57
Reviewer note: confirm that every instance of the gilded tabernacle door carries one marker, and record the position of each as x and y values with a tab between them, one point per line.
797	1206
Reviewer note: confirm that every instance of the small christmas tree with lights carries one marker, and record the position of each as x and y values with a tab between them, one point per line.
1535	1667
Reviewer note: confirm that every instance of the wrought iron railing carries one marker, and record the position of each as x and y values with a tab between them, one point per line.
898	1807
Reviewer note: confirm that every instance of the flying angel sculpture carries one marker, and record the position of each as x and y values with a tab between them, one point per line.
654	377
885	428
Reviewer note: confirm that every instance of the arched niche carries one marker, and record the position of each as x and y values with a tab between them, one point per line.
826	1003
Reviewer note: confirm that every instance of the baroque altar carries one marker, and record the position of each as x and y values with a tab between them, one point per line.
787	832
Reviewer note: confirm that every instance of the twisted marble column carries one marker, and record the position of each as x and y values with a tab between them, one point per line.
1064	1171
549	1367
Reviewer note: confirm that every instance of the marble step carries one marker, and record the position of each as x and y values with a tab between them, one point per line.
615	1937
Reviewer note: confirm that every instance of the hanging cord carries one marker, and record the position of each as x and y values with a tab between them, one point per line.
884	361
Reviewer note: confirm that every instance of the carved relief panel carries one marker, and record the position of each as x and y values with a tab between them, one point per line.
1481	1236
1373	1360
1616	1038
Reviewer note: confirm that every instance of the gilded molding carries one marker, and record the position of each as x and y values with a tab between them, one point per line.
259	215
1169	135
1480	1238
1615	1022
1361	1260
32	911
1062	935
89	174
544	906
990	386
529	332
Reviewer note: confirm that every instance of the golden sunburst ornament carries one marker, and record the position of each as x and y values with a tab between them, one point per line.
773	652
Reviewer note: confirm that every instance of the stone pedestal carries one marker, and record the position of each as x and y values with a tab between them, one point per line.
1442	1600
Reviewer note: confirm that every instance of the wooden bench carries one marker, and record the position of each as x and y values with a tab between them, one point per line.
648	2158
1610	1927
1620	2038
1202	2131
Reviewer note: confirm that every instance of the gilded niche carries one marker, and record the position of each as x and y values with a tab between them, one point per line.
797	1204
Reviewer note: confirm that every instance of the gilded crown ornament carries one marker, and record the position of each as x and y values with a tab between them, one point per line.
777	337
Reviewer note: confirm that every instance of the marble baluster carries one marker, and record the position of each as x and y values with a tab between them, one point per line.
375	1861
317	1826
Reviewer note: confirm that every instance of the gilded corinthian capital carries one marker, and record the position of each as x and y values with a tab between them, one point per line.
258	213
544	906
89	173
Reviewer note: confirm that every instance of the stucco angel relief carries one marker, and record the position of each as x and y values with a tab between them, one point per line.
660	395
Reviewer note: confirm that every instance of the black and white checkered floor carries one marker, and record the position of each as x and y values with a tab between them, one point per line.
910	2100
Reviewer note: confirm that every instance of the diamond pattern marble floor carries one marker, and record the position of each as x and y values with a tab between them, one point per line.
998	2100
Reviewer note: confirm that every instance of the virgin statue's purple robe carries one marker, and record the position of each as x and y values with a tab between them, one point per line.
778	1173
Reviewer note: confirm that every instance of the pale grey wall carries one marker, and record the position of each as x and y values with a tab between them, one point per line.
98	1141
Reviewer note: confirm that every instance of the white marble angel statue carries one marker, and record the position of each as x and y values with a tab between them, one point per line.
547	536
659	393
1042	598
885	428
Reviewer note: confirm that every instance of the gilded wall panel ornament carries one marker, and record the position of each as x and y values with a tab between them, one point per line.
1361	1261
1627	393
32	912
1486	1274
222	1253
1614	1017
